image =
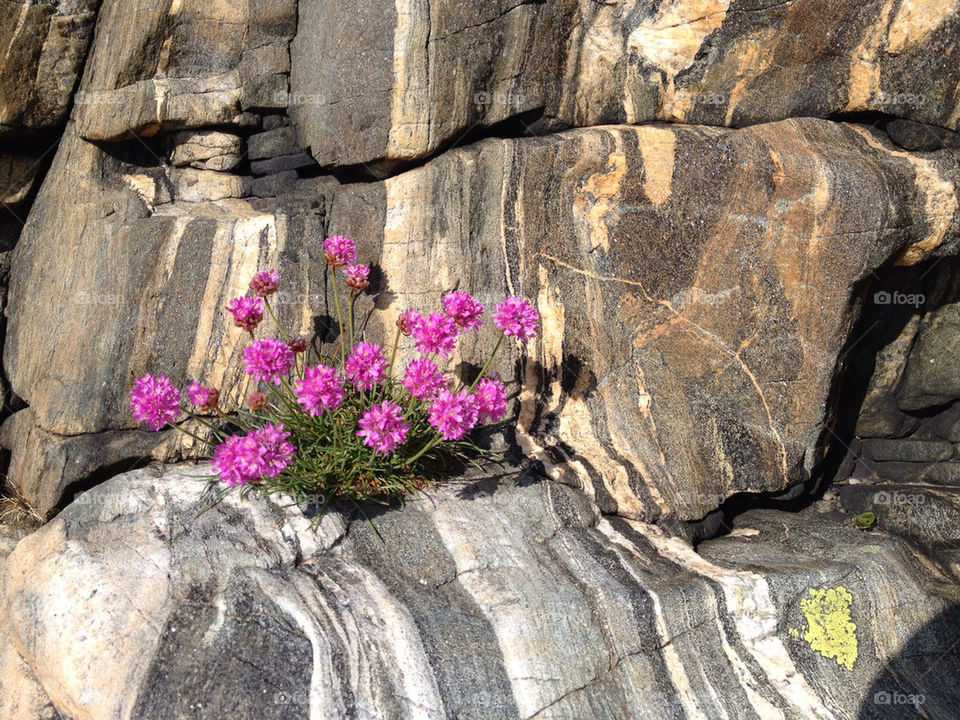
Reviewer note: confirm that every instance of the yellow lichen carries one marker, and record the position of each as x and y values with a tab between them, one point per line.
830	630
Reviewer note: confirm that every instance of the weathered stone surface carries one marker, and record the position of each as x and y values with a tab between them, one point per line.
17	176
191	185
399	81
907	450
43	46
500	597
689	347
59	462
281	164
932	375
206	150
176	65
921	136
21	698
273	143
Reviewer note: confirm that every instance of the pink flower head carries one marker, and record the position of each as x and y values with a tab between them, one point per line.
366	366
423	378
464	310
241	460
205	398
453	414
267	360
357	276
491	398
276	452
247	311
265	282
408	320
339	250
238	460
155	401
321	389
517	318
435	334
382	427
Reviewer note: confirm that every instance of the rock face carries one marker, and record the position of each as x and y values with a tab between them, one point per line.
44	46
501	596
399	81
665	380
740	224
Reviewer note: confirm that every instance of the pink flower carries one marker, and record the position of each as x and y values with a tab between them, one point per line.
357	276
238	460
265	282
408	320
491	397
321	389
247	311
339	250
241	460
205	398
465	311
423	378
366	366
276	452
382	427
267	360
453	414
517	318
435	334
155	401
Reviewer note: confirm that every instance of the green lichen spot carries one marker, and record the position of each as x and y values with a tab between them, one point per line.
794	633
830	630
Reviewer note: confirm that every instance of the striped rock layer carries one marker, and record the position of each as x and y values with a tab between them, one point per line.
390	81
499	596
697	288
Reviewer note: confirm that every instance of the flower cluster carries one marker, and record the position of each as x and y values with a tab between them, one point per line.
344	425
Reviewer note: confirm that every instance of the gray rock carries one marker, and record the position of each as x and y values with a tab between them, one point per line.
907	450
932	375
497	597
281	164
399	83
273	143
912	135
206	150
44	49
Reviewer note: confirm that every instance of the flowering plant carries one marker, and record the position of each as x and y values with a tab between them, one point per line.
349	426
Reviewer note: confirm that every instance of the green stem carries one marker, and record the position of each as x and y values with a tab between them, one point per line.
336	300
187	432
486	364
204	422
275	321
353	299
430	444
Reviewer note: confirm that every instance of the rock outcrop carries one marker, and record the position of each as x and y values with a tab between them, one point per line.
500	596
740	224
400	81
